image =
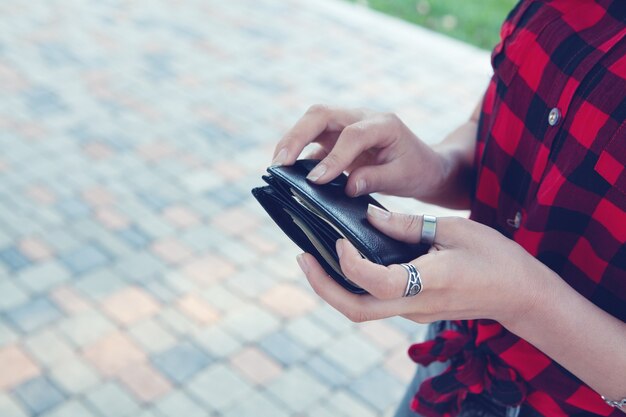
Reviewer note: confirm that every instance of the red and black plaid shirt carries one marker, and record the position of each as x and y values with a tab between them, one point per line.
551	175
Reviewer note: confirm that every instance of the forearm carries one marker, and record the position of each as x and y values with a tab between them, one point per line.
457	152
581	337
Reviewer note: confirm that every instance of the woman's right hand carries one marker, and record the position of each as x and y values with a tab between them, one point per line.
378	150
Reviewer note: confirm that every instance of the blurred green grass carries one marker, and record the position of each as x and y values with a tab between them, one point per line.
475	22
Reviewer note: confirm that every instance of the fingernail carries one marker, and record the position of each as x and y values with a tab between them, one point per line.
316	172
280	158
339	247
302	262
377	212
360	187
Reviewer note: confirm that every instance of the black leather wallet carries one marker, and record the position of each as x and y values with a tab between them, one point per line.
315	216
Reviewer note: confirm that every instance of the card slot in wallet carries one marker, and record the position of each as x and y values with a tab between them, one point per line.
314	216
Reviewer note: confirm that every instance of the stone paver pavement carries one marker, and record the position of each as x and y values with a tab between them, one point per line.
137	275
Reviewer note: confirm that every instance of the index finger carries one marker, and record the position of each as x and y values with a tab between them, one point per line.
317	120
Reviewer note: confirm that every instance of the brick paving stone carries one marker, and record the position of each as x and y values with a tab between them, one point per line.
332	320
74	376
110	400
383	335
112	218
113	353
181	217
177	404
14	259
151	336
35	249
288	300
237	253
177	322
38	395
16	367
200	237
139	267
196	309
98	196
48	347
218	387
181	362
352	354
326	371
145	382
85	259
345	403
321	409
33	314
100	283
216	341
257	405
44	276
307	332
250	282
255	365
223	299
62	241
153	226
86	327
7	336
41	194
378	389
260	243
178	283
73	209
70	408
398	364
10	407
250	323
200	181
130	305
283	268
134	236
171	250
208	269
235	221
161	291
12	295
413	330
283	348
69	300
297	389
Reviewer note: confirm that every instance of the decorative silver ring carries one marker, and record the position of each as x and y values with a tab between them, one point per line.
429	228
414	281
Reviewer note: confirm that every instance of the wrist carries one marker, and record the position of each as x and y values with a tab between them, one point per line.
453	160
533	298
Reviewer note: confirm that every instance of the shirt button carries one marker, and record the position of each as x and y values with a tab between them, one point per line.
516	221
554	116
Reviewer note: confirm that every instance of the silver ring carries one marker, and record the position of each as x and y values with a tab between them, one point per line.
414	281
429	228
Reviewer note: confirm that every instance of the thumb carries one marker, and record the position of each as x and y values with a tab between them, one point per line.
408	227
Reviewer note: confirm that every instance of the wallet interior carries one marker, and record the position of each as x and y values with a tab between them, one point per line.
306	226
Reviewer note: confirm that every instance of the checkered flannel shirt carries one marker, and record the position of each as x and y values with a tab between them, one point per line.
551	158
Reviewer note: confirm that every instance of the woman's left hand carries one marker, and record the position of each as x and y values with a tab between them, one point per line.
472	271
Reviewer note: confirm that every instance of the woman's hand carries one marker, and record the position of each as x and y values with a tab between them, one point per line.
471	272
377	149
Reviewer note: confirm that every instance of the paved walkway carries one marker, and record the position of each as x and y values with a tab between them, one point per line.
137	275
